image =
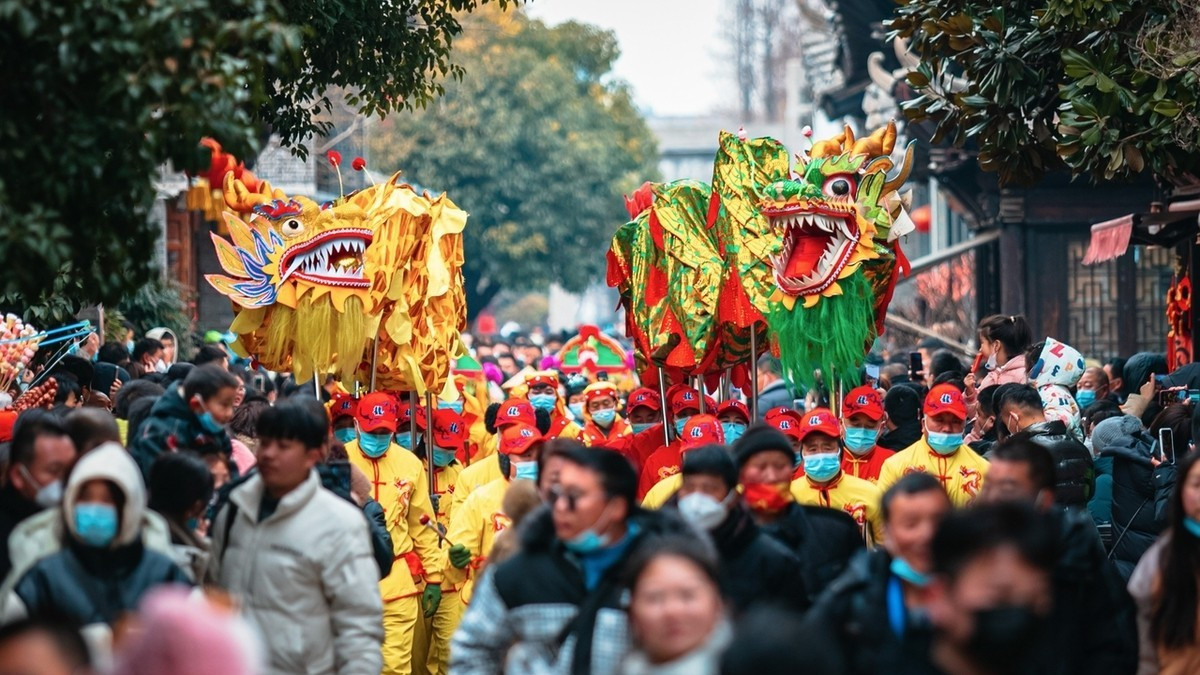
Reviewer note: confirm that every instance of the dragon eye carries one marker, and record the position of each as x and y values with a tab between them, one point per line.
839	187
291	227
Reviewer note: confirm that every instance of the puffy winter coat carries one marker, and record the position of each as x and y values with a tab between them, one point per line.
756	569
304	576
774	395
1074	473
93	585
1136	523
172	426
823	539
534	612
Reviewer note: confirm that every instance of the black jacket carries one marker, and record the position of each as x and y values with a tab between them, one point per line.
1136	521
901	437
544	574
96	586
755	568
173	426
851	616
1092	628
14	508
1075	477
823	539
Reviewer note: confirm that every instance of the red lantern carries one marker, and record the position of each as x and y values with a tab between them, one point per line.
922	217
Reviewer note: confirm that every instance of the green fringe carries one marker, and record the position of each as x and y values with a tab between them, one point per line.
833	336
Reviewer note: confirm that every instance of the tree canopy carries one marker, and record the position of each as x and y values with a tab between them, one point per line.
100	94
1102	88
536	143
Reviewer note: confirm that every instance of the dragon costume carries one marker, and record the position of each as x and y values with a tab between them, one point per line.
374	277
805	255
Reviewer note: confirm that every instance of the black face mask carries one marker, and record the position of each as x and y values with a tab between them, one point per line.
1003	638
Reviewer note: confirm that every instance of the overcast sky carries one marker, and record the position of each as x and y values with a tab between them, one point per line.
670	49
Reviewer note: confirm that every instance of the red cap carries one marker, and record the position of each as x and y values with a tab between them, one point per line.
863	401
541	377
7	419
820	420
376	411
684	398
945	398
517	438
644	397
786	420
449	429
734	406
342	405
404	414
597	390
515	410
702	430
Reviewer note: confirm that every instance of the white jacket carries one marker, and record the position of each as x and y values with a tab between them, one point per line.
304	577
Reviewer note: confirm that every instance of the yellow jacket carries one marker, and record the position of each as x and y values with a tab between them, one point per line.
475	476
399	484
445	482
856	496
662	491
475	525
961	474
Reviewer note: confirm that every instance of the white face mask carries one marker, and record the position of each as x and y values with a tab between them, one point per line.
49	495
160	366
702	510
991	362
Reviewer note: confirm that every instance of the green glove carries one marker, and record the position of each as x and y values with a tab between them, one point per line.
431	599
459	556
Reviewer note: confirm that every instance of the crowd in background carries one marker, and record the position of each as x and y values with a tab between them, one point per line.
1027	511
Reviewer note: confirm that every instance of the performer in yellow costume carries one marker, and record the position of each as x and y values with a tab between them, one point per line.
825	484
399	484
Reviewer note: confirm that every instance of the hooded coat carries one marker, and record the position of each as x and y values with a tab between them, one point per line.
1056	371
96	585
1136	520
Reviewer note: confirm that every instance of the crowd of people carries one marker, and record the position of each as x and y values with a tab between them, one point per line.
1031	511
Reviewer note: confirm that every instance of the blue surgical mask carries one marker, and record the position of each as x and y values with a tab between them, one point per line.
1192	526
639	427
404	440
192	524
543	401
860	441
679	424
586	542
576	410
129	346
904	571
945	444
208	423
442	457
525	471
456	406
823	467
1085	397
96	524
733	431
604	418
374	445
345	434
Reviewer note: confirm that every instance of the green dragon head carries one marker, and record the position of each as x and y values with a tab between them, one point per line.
832	215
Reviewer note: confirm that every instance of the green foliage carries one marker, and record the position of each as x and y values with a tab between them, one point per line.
99	94
535	144
159	303
386	57
1104	88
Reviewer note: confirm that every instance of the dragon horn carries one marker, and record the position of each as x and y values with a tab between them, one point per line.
895	181
238	197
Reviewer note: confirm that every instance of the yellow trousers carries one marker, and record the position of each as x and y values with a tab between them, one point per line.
445	622
400	619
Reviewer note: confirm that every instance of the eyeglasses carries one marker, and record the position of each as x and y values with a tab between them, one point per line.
572	496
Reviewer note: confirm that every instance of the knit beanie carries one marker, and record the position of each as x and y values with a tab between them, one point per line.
761	438
1115	432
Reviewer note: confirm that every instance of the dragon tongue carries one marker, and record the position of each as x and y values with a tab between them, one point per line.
808	250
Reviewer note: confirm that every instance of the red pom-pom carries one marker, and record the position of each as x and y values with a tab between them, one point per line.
334	157
359	164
